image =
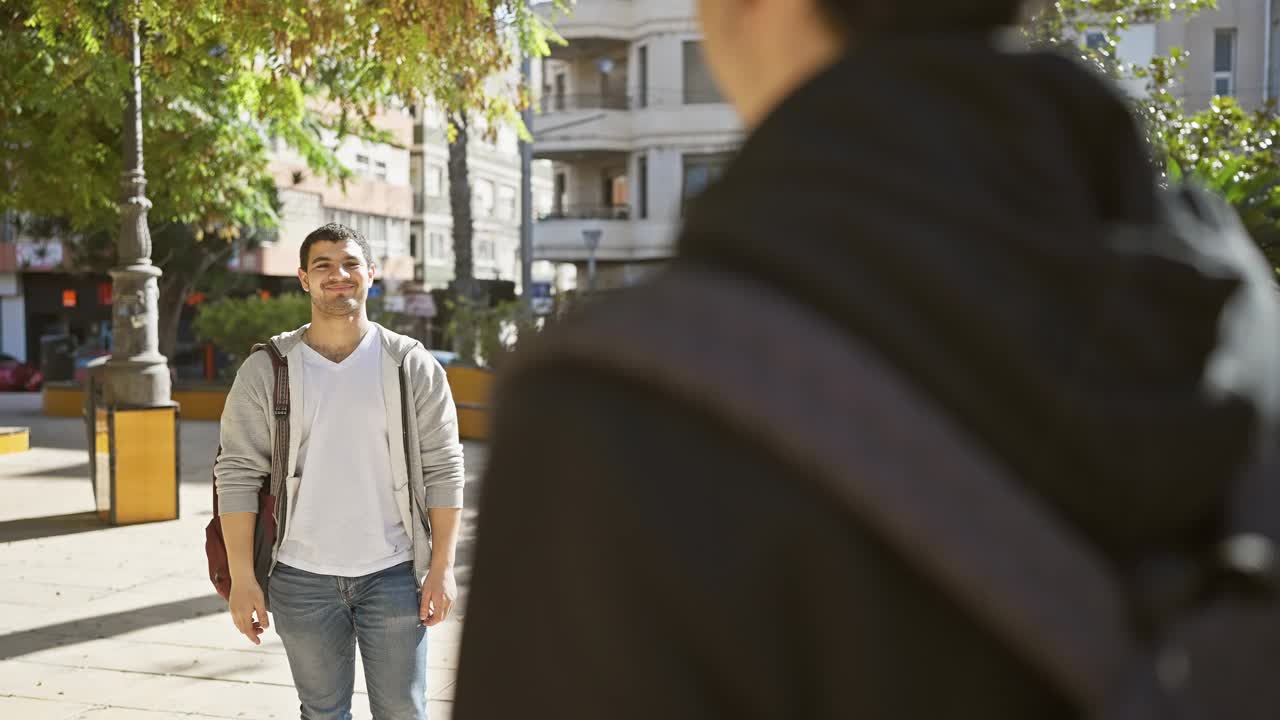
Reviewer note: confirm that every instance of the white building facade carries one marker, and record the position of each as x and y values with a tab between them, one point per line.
632	122
493	169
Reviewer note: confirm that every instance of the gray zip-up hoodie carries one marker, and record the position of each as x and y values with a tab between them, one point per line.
436	468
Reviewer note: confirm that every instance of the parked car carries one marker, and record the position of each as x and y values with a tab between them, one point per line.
444	357
17	375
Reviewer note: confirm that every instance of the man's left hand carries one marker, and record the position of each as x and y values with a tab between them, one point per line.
438	593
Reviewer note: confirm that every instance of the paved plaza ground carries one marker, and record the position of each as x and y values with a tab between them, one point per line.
120	623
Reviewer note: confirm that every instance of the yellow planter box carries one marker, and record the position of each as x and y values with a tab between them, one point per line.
197	404
14	440
472	390
63	400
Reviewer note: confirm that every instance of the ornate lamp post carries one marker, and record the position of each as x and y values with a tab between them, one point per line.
137	374
132	422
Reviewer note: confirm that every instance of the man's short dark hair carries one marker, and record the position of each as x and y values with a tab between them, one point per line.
857	15
333	232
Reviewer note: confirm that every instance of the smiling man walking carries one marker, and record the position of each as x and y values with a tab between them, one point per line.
372	501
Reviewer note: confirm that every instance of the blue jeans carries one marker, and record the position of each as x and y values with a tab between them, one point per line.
321	619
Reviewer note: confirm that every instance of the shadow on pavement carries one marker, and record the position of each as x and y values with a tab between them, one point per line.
73	632
51	526
77	472
58	433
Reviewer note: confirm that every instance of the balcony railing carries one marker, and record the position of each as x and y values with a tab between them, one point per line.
552	102
588	212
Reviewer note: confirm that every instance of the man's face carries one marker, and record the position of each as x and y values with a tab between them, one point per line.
337	277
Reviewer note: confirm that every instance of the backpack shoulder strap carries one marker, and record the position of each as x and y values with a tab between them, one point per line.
280	408
405	418
867	438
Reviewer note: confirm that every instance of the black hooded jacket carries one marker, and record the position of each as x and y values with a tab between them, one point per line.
955	205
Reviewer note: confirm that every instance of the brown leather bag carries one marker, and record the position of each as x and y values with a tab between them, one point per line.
269	519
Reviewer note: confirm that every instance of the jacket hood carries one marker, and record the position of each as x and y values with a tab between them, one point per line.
396	345
968	209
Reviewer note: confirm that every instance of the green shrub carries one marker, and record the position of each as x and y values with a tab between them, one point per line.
235	325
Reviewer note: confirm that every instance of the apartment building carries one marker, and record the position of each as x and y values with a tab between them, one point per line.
377	201
634	128
399	199
1232	51
493	166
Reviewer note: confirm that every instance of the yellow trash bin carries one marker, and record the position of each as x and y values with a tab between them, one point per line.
133	459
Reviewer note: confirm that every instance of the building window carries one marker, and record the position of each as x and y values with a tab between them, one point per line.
435	180
1095	40
397	238
435	246
559	91
484	249
1224	62
558	198
387	236
413	244
699	86
642	186
435	117
483	198
362	164
642	81
342	217
508	140
507	202
380	169
699	172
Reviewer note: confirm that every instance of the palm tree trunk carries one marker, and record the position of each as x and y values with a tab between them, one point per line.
460	206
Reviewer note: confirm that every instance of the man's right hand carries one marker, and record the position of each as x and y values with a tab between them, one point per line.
249	609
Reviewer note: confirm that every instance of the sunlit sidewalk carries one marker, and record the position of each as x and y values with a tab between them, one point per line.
115	623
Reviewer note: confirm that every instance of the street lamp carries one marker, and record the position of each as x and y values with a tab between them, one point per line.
137	374
132	423
592	239
526	197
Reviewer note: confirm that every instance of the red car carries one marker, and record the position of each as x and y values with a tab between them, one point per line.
17	375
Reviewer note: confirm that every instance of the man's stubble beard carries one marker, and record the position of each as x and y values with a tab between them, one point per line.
342	307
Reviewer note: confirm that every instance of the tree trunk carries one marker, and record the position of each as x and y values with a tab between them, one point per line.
175	285
465	290
173	297
460	207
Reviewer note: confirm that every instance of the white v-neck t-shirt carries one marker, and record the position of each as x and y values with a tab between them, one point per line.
345	521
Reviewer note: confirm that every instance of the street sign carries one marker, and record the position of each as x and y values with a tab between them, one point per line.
540	300
420	305
38	255
375	291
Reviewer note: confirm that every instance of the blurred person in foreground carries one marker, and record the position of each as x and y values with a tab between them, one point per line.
943	199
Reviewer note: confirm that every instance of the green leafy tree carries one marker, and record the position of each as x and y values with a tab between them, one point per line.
221	80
